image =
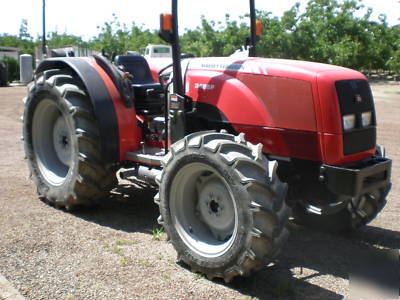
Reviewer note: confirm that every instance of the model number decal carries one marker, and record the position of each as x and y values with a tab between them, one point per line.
204	86
231	67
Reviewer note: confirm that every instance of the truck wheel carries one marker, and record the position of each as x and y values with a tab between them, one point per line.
62	144
223	214
344	216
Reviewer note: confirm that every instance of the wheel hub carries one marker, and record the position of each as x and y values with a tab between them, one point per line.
216	209
61	141
203	210
51	140
361	207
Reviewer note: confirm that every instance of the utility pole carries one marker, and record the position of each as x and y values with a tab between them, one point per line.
253	37
44	50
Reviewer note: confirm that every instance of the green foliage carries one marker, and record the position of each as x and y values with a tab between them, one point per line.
157	233
144	262
330	31
12	66
198	276
57	40
208	40
116	37
23	41
122	243
393	62
23	31
3	74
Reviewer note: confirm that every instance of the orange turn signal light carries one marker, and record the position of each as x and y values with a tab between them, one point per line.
258	28
166	22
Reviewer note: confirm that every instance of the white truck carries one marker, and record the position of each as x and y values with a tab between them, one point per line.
156	51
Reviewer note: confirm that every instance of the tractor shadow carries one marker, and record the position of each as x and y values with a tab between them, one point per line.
129	208
309	256
301	270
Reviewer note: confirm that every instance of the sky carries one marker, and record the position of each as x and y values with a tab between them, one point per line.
82	17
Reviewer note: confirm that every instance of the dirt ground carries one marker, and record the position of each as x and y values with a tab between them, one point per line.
111	253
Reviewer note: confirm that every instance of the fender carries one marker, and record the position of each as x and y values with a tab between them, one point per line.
119	132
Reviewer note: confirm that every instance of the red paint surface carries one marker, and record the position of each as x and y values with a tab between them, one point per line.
284	142
291	107
231	96
129	132
333	151
289	101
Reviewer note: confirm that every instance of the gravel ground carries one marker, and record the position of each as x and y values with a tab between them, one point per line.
111	253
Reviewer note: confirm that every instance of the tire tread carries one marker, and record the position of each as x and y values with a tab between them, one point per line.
95	179
264	242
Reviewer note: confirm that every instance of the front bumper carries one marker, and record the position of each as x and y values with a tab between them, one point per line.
358	178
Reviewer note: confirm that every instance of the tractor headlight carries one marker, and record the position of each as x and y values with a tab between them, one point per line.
366	118
349	122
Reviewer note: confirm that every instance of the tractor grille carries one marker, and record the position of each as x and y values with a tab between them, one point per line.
355	97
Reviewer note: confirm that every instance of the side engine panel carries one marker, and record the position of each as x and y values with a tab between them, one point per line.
263	107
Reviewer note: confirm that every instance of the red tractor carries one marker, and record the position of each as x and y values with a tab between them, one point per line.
236	146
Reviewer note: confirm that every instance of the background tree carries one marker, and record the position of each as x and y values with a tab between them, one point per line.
215	38
115	37
60	40
330	31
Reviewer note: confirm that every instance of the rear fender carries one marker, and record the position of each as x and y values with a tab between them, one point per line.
119	131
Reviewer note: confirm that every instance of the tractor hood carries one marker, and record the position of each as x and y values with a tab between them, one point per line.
266	66
286	87
288	97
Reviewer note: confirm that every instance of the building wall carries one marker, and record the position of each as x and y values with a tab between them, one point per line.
13	54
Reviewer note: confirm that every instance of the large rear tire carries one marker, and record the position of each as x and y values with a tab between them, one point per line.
62	144
224	215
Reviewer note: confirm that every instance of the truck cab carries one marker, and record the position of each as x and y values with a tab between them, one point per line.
157	51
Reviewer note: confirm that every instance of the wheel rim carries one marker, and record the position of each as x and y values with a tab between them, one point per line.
203	210
51	139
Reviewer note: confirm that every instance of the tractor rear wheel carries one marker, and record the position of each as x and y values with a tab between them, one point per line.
62	144
224	215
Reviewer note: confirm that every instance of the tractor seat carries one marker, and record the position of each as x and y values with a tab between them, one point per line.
138	67
149	95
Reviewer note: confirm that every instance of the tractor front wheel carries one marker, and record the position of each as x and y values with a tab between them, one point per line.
224	215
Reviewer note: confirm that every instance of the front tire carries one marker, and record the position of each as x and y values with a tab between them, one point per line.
223	214
62	144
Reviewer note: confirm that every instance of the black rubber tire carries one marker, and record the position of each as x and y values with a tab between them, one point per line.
261	209
352	216
87	180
